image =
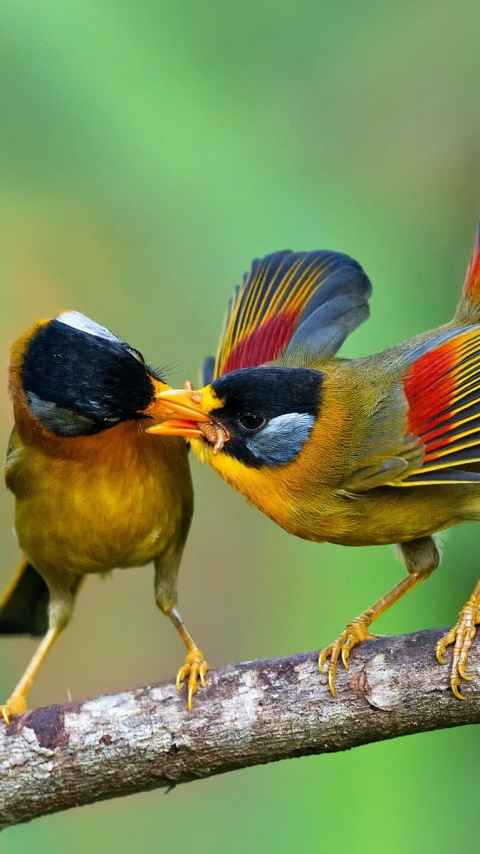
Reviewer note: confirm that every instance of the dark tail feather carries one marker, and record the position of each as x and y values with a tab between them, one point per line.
24	606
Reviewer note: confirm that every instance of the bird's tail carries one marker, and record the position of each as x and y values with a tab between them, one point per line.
24	605
468	309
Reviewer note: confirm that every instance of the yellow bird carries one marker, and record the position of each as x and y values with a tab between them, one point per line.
383	449
93	490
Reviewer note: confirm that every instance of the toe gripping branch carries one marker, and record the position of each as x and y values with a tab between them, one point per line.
357	630
17	703
196	669
195	666
461	636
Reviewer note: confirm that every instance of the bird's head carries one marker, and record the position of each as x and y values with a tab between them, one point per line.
261	417
73	377
284	323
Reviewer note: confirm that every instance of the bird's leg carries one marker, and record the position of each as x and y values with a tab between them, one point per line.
16	703
195	666
59	613
461	636
357	630
421	558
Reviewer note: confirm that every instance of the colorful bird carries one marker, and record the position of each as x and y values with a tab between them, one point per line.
93	490
383	449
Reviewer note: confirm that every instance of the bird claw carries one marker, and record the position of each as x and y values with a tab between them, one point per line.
196	669
461	636
15	705
355	632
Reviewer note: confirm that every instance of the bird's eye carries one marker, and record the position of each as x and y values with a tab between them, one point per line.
136	355
252	422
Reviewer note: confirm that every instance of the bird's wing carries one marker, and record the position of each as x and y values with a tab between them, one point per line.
468	310
289	302
440	389
13	453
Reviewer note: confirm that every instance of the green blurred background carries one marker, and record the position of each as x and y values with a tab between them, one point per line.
149	151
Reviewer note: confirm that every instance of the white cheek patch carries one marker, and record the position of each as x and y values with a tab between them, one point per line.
282	439
78	321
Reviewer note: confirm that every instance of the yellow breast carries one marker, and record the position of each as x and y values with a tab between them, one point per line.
92	503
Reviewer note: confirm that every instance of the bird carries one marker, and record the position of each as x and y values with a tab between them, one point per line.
368	451
93	490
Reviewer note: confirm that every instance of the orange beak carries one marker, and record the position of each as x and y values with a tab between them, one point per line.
186	405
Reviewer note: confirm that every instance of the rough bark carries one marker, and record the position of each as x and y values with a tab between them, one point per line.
63	756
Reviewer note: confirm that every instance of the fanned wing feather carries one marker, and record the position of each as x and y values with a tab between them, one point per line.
427	429
471	287
208	369
442	388
468	310
291	301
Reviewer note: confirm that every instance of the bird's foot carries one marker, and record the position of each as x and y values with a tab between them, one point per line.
461	636
196	669
15	705
355	632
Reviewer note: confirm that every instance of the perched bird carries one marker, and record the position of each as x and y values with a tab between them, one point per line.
382	449
93	490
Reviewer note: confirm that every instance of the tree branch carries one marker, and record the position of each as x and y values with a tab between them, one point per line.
251	713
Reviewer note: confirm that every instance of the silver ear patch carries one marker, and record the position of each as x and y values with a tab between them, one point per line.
77	320
282	439
62	422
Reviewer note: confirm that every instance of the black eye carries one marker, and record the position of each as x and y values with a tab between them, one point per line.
252	422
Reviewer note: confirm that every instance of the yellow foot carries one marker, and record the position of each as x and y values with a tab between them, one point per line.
461	636
355	632
15	705
195	668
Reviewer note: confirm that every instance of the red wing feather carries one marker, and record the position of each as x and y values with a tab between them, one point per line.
263	344
265	310
442	387
471	287
314	298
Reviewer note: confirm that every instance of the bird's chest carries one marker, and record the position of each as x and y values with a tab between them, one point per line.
313	510
119	507
379	516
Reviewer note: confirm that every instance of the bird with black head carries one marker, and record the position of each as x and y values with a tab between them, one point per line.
93	490
381	449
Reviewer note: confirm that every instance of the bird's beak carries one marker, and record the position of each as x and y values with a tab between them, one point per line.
180	411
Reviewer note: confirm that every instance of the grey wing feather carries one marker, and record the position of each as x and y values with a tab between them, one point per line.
334	311
208	369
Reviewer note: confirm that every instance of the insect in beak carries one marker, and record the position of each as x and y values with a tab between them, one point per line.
215	434
193	422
